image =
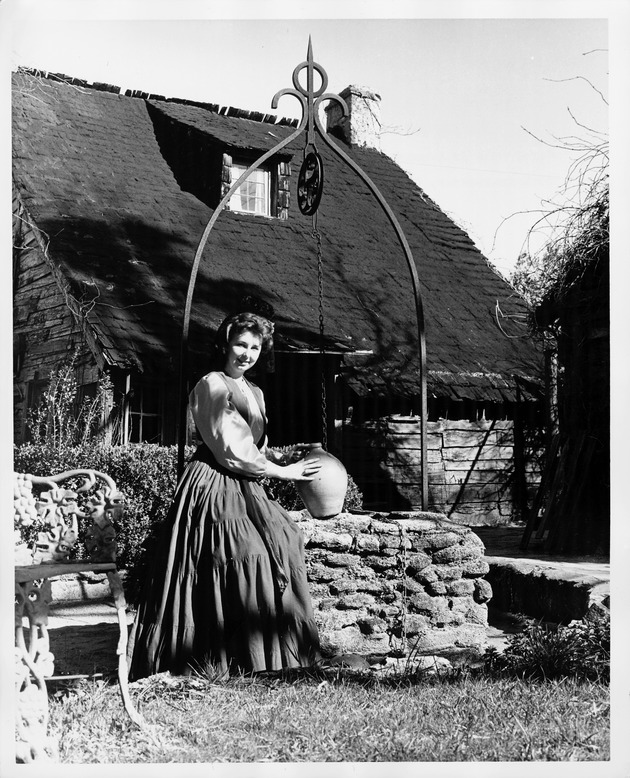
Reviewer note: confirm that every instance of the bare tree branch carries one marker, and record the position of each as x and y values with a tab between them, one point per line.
578	78
393	130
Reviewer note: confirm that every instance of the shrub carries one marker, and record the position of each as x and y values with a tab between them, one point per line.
579	650
61	420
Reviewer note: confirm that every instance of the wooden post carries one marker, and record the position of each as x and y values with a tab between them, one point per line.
551	385
126	411
520	479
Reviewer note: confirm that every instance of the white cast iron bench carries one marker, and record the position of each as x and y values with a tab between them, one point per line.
51	507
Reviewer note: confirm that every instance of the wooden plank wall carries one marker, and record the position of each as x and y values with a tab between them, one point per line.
44	330
470	467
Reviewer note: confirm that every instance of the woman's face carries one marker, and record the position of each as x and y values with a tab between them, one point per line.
242	353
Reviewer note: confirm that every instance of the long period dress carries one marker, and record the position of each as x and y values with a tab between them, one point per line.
227	584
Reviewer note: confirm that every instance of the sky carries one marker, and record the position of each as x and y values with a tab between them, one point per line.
472	108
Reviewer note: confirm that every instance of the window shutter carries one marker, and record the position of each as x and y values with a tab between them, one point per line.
282	201
226	175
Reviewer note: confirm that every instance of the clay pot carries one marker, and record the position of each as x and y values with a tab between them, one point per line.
324	495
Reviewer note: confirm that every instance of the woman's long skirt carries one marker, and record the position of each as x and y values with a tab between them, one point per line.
227	585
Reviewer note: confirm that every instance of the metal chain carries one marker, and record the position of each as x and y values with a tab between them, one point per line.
320	299
402	560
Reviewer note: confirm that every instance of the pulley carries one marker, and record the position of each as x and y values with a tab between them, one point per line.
310	183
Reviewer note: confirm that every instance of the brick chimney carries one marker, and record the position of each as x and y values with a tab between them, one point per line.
362	126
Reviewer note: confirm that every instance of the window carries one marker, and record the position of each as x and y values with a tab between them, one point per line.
254	194
265	192
145	422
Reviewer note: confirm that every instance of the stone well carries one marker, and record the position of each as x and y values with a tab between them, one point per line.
396	584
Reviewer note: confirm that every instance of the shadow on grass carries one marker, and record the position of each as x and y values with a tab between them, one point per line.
86	649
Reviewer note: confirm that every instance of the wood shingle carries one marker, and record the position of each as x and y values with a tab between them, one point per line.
95	173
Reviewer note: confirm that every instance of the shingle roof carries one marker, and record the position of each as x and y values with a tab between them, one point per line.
92	176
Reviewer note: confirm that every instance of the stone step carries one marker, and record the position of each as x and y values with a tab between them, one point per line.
544	589
82	587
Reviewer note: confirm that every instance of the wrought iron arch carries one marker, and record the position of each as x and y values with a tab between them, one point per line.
310	123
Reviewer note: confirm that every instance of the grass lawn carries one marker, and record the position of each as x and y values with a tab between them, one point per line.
341	717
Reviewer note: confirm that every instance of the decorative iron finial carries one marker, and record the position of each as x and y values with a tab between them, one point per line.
309	97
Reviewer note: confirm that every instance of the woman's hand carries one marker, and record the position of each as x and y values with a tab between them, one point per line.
304	470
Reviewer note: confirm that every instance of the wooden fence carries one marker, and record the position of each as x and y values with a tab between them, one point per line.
471	467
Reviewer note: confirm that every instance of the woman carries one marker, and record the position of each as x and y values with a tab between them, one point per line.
228	583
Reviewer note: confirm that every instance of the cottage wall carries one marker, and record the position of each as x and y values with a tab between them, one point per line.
44	330
471	467
397	584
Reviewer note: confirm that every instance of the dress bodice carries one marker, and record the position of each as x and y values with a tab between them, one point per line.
231	421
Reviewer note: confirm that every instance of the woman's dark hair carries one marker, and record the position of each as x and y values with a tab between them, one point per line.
236	324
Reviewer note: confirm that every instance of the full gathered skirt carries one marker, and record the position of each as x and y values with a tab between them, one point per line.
227	584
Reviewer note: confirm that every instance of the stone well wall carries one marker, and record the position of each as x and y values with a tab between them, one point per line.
397	583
